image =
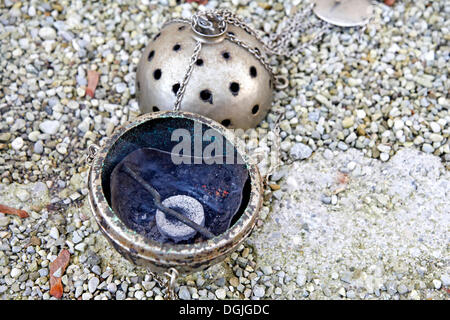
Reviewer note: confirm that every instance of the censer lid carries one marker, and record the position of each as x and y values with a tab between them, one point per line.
210	66
344	13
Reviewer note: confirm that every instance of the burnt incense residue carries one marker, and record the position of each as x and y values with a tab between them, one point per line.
218	187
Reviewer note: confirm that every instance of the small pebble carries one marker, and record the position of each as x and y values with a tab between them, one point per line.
220	294
17	143
184	293
49	126
300	151
93	284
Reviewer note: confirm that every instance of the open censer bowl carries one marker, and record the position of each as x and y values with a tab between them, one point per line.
139	239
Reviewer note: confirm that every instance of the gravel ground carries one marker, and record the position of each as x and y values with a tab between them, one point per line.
368	108
369	229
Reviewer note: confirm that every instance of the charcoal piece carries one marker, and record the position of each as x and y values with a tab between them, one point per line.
175	229
218	187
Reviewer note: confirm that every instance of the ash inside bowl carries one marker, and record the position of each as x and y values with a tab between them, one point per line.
218	187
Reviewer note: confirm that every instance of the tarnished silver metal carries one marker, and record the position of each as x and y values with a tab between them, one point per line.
281	82
169	282
159	257
172	276
187	76
91	152
216	65
344	13
216	68
280	42
209	29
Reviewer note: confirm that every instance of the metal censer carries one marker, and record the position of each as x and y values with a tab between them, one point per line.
211	70
153	132
213	65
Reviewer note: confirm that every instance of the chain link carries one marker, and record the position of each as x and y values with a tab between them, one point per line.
280	42
300	23
172	277
253	51
92	152
187	76
169	282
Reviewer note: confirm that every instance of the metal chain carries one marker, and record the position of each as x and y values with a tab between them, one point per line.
235	20
92	152
300	22
172	277
169	282
187	76
253	51
280	42
280	82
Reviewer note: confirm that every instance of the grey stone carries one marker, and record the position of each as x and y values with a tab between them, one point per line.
267	270
50	126
259	291
47	33
112	287
300	151
93	284
221	293
445	278
184	293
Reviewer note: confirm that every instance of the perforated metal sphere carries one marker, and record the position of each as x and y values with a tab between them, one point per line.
227	84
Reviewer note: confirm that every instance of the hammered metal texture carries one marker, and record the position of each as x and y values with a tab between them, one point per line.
159	257
164	63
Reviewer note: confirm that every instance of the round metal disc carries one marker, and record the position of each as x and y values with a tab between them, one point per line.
344	13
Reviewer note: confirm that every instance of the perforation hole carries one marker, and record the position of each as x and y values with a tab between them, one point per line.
157	74
234	88
176	47
175	88
253	72
199	62
226	122
181	28
155	109
226	55
151	54
206	96
255	109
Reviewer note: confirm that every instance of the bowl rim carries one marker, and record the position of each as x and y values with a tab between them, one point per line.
172	254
